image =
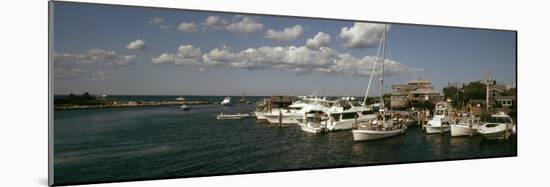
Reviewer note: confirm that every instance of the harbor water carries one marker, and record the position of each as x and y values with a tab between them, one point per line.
118	144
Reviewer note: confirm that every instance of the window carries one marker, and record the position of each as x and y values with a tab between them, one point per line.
351	115
336	117
499	120
367	112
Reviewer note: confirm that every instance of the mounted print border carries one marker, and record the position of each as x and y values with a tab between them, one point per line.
143	93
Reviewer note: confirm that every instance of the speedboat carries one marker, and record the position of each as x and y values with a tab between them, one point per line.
440	122
499	126
226	101
466	126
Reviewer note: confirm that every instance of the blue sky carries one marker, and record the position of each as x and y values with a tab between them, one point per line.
148	51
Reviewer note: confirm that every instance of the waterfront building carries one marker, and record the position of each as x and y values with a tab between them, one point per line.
414	92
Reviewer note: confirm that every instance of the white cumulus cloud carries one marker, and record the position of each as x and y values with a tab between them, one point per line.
362	35
164	58
288	34
186	55
245	25
188	27
138	44
320	40
297	59
90	64
214	22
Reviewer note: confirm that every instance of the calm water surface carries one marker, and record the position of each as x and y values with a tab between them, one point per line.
101	145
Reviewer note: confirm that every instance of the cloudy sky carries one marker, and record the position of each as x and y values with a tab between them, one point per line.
143	51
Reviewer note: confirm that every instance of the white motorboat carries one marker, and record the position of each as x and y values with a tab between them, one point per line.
185	107
259	115
344	113
340	116
294	112
440	122
223	116
383	126
287	115
180	99
466	126
226	101
314	121
499	126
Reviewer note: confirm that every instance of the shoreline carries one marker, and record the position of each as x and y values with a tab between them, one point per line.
131	104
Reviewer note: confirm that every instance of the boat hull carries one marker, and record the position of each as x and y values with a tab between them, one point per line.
232	116
346	124
437	129
498	135
366	135
286	118
229	117
341	125
313	130
260	115
462	130
499	132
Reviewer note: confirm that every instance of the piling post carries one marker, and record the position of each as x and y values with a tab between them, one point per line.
280	118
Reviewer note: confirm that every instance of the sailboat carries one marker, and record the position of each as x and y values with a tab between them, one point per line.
383	126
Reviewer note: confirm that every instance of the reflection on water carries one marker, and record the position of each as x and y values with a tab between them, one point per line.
135	143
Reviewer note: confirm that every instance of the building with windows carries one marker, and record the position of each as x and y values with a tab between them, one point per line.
414	92
505	101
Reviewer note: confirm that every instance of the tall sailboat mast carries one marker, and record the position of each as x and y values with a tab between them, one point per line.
384	38
371	75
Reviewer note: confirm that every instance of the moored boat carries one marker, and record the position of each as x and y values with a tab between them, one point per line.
373	133
383	126
466	126
314	121
223	116
440	122
499	126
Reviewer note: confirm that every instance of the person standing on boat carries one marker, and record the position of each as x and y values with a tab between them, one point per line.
427	114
